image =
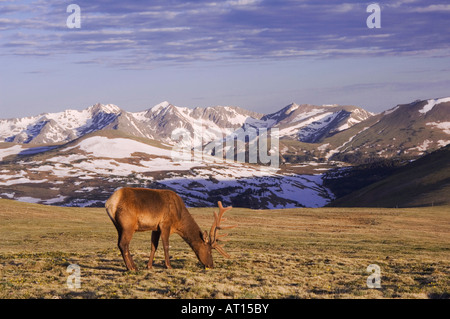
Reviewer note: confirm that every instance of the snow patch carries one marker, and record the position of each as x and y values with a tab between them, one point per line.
28	199
323	147
55	200
445	126
159	107
314	121
392	110
431	103
22	180
4	152
100	146
424	146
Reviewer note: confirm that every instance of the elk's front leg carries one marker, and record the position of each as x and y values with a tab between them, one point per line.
155	240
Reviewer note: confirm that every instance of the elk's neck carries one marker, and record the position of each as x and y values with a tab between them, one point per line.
190	231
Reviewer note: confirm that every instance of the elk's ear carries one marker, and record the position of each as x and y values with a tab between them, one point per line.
205	237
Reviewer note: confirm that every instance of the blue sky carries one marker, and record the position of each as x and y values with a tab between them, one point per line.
256	54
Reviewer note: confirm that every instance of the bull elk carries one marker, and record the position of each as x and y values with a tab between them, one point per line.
164	213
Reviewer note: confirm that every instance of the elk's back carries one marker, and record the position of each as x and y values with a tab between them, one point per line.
143	209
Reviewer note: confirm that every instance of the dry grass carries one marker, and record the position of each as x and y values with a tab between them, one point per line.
292	253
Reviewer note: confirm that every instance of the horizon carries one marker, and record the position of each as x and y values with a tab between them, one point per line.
254	54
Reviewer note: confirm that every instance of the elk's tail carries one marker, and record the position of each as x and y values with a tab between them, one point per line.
111	207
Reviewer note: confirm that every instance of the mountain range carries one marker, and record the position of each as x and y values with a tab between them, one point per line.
96	150
308	123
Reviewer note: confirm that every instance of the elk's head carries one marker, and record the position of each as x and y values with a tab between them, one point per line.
211	241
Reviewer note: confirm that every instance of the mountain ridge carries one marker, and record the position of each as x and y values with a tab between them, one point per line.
96	150
159	122
331	132
406	129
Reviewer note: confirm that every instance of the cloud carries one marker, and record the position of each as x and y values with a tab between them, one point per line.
433	8
344	7
144	32
170	29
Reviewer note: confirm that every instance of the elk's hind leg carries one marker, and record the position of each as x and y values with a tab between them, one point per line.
155	240
165	233
124	246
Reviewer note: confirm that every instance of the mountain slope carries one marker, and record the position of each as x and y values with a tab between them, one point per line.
424	182
197	126
86	171
408	130
311	123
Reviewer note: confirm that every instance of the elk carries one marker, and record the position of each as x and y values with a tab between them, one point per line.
164	213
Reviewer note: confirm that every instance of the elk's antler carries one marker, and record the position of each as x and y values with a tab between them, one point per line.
213	234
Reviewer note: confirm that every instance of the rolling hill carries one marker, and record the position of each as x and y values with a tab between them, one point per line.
407	131
424	182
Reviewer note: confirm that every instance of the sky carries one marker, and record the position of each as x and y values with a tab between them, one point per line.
260	55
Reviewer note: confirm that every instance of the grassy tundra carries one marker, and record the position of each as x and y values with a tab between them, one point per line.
291	253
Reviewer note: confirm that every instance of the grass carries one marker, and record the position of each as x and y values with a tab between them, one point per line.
291	253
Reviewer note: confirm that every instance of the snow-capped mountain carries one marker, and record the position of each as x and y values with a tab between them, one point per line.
341	132
310	123
166	122
161	122
94	151
57	127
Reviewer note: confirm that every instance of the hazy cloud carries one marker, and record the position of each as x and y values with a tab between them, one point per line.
433	8
177	31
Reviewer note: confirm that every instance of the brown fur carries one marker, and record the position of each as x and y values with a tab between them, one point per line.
164	213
